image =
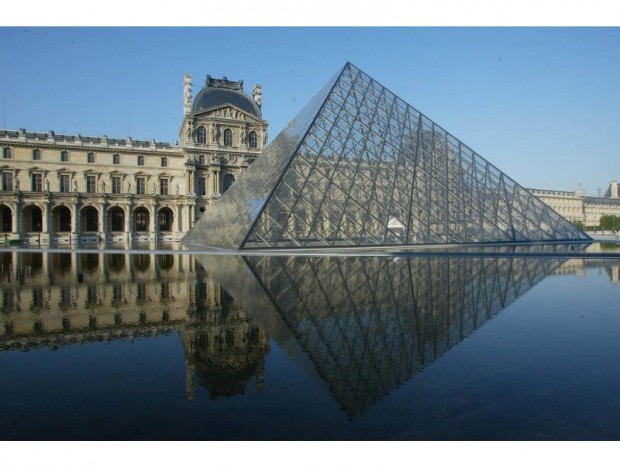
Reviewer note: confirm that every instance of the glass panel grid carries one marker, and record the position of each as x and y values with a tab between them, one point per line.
361	166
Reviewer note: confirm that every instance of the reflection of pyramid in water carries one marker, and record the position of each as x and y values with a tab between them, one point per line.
369	324
360	167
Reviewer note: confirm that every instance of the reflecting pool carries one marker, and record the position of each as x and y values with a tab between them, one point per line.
100	345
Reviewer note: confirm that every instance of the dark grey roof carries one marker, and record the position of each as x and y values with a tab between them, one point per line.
605	200
211	97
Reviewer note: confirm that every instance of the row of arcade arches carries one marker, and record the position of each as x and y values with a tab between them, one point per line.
89	221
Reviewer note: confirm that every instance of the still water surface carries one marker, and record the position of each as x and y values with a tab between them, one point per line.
155	346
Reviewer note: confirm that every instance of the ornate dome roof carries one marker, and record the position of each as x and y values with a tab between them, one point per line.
219	92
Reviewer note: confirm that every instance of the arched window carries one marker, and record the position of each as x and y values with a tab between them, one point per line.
33	219
116	159
164	162
140	160
141	219
116	219
36	154
6	152
165	219
227	137
253	141
61	219
89	219
201	135
6	219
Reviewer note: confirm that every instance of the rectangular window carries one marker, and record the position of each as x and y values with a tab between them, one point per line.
7	181
64	156
90	157
116	184
163	186
36	154
37	182
202	186
140	185
91	184
64	183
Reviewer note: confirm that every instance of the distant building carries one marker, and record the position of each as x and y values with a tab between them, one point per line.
576	206
70	188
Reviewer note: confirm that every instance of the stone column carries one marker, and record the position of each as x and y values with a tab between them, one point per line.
103	224
153	226
216	181
179	218
128	222
17	216
190	182
46	216
208	186
75	220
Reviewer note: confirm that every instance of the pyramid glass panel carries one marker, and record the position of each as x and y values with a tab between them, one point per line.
360	167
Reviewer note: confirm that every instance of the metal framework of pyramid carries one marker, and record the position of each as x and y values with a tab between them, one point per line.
360	167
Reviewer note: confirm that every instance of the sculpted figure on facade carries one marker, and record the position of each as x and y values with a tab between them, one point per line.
189	130
257	93
187	94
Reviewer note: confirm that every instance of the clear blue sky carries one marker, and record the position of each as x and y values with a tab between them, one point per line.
542	104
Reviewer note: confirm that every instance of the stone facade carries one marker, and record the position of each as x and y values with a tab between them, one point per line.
70	188
576	206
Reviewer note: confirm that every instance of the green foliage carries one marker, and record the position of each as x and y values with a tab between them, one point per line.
579	224
610	223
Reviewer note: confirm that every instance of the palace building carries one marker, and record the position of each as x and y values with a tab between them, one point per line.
577	207
67	189
71	189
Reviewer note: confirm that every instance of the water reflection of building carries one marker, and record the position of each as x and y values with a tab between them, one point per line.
223	348
57	299
578	266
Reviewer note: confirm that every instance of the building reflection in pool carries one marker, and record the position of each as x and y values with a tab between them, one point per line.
57	299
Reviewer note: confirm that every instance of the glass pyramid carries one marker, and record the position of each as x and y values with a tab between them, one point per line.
360	167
